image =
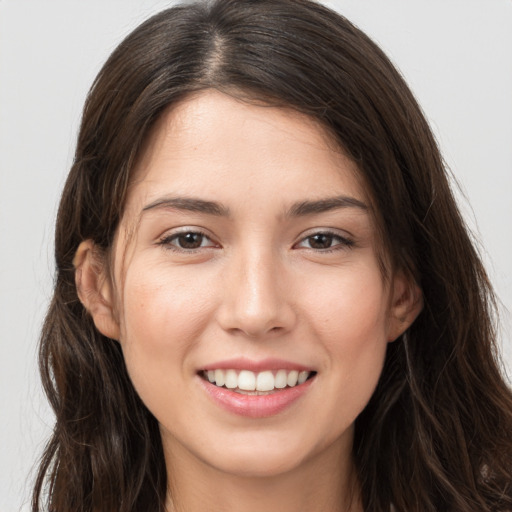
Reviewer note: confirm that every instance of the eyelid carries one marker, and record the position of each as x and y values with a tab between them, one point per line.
166	239
345	240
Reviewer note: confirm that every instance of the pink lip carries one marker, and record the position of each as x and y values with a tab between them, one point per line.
242	363
255	406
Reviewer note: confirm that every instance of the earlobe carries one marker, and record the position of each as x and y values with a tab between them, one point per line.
407	303
94	288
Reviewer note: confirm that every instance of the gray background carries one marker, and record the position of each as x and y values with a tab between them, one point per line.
455	54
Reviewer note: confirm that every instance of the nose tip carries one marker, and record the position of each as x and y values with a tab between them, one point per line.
256	324
256	303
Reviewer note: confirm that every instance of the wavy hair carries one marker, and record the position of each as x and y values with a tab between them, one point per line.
437	433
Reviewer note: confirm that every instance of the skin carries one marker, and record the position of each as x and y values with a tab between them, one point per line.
258	286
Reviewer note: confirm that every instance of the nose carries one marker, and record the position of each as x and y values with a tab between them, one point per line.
256	299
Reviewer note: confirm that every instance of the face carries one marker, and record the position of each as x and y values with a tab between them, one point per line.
250	305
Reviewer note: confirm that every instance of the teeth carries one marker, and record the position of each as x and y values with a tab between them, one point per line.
291	380
219	377
246	381
302	377
231	379
265	381
280	379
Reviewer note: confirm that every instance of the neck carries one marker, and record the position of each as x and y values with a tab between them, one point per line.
326	483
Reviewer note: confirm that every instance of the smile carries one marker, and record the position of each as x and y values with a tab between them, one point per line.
256	383
256	389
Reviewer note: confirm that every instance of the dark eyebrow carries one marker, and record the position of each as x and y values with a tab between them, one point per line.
324	205
190	204
299	209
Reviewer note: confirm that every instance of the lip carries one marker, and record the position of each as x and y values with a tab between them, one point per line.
242	363
255	406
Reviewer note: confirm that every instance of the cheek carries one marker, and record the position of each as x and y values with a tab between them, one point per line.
349	309
162	318
350	321
160	307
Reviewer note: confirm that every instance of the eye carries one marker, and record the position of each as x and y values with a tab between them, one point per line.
187	241
325	241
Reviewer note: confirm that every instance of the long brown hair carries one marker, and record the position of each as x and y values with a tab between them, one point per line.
437	434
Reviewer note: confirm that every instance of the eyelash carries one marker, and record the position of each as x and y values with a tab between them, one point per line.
343	243
167	241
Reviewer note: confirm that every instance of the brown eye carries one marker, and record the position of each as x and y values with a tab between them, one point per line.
187	241
321	241
325	241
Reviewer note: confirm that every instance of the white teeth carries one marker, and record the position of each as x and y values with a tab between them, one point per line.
231	379
303	377
247	381
292	378
219	377
280	379
265	381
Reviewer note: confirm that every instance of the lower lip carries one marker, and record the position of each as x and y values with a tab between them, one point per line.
256	406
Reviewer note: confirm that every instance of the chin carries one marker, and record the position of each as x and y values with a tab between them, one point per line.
271	462
261	454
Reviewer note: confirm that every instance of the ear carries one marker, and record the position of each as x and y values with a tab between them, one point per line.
95	289
406	304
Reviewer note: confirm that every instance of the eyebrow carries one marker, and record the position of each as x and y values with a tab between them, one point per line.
299	209
304	208
189	204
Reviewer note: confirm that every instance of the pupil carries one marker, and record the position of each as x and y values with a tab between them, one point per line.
190	240
321	241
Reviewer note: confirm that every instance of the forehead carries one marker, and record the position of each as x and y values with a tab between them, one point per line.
221	148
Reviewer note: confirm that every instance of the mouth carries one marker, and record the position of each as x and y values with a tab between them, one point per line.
247	382
257	388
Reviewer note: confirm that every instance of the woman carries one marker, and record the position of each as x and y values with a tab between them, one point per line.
264	284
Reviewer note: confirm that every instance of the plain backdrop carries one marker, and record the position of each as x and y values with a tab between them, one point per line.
455	54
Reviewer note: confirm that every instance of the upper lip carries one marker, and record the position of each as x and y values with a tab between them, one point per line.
243	363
